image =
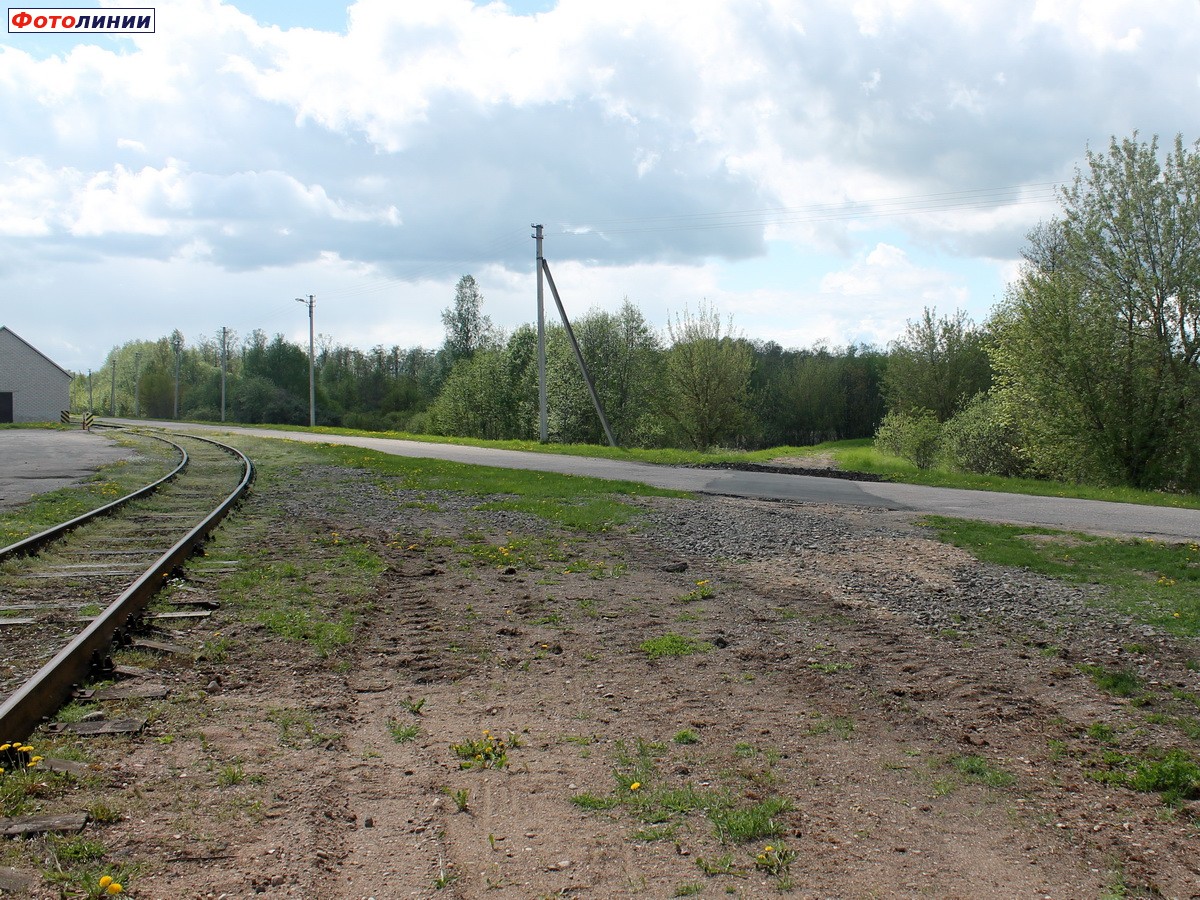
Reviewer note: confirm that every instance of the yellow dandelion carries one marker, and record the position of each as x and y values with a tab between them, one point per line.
106	881
768	849
635	786
115	888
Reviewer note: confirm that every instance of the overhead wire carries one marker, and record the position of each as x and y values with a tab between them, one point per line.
498	247
947	201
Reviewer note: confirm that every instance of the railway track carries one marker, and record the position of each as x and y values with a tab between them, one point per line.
68	593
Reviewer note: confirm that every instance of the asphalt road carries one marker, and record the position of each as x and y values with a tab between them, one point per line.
1092	516
34	461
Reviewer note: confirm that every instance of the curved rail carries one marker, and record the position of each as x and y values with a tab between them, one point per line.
52	685
36	542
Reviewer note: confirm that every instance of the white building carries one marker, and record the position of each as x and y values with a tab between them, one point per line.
33	388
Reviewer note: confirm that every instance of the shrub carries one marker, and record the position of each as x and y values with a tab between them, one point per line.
914	435
981	439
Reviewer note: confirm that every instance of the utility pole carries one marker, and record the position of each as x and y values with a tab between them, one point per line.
223	366
177	346
312	381
137	384
543	425
112	397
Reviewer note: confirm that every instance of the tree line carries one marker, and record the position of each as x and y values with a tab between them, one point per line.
703	386
1087	369
1093	355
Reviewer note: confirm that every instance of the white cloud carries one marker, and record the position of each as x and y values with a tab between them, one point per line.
421	141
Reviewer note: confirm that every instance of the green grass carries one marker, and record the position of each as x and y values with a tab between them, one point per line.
293	598
1118	682
980	771
593	802
672	644
573	501
106	484
402	734
861	456
1155	583
857	455
750	823
1172	774
297	728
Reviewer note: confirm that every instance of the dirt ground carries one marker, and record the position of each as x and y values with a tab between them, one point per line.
875	755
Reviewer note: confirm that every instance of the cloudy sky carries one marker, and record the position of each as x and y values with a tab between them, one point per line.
820	171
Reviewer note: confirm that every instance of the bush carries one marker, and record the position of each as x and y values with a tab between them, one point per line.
363	421
417	423
203	414
981	439
914	435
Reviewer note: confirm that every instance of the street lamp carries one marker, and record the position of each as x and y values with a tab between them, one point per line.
312	383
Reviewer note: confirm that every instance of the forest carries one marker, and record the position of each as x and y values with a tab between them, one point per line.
1088	370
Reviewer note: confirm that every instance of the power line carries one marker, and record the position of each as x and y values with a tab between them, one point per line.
1031	193
888	207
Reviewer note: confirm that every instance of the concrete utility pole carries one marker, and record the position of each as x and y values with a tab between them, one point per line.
543	424
312	380
177	346
137	384
223	366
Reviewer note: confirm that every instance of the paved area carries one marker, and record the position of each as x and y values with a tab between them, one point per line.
33	461
1094	516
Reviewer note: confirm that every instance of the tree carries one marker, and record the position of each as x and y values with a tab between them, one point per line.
912	434
467	328
707	379
939	364
622	354
1097	344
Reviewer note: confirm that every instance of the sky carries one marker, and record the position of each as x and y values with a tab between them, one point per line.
817	172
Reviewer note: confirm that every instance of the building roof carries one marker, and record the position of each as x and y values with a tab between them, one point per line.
6	329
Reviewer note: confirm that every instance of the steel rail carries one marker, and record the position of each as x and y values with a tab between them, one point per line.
53	684
36	542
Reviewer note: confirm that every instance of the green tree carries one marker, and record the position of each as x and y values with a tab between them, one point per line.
1097	344
939	364
477	399
706	381
623	356
913	434
467	328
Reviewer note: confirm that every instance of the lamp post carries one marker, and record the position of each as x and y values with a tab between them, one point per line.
312	382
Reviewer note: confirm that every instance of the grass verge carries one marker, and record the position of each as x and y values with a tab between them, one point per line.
1156	584
857	455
